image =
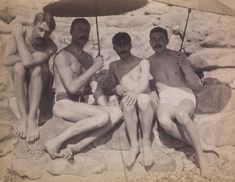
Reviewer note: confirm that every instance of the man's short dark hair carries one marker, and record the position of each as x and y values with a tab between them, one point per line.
160	30
77	21
45	17
121	37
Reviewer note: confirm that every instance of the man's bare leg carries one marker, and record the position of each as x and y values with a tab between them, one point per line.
182	113
115	116
131	120
35	91
19	85
146	119
165	112
87	118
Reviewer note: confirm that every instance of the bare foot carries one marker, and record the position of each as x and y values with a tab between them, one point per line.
52	148
32	131
20	129
67	153
134	152
148	156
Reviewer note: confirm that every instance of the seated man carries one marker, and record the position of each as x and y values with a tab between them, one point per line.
129	78
74	69
176	83
27	54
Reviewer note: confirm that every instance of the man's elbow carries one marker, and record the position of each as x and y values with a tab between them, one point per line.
27	64
72	90
6	61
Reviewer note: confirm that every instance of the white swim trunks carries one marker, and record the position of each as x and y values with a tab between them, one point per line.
174	95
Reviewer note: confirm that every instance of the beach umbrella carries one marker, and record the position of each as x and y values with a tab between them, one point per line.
92	8
210	6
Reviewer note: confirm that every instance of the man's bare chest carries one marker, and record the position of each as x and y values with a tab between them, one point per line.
165	67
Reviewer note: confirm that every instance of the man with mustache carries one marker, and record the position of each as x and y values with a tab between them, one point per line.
176	83
129	78
27	54
74	71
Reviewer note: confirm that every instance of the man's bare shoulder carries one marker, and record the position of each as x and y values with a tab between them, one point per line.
151	58
60	57
86	55
174	53
50	46
114	64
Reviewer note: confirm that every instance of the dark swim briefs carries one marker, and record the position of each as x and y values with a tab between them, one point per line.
73	97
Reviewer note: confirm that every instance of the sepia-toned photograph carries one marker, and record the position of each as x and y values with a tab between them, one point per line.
117	90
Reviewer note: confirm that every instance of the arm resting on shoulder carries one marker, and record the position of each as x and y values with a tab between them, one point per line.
34	59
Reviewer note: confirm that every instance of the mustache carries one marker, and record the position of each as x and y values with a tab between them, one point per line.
123	52
83	37
158	46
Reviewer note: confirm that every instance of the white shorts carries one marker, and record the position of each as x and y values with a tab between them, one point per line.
174	95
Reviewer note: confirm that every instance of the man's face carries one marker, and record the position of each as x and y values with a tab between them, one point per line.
158	42
41	32
80	34
122	48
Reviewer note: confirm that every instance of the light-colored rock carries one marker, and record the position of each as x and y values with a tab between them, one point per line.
83	165
7	146
32	169
5	132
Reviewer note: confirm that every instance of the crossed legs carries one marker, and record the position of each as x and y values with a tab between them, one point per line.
86	118
115	116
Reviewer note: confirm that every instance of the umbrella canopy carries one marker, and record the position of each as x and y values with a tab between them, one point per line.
211	6
89	8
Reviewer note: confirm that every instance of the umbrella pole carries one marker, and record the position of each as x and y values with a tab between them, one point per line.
97	33
185	28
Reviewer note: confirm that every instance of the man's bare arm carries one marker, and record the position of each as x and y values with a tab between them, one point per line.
144	77
10	54
31	59
73	85
191	77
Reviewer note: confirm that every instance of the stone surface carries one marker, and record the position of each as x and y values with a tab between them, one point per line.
5	132
83	165
28	168
7	146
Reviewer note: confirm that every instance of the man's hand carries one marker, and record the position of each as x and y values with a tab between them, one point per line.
120	90
98	63
130	98
19	30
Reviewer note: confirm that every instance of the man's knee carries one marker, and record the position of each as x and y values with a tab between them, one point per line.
116	114
181	116
143	101
19	69
165	121
104	118
36	71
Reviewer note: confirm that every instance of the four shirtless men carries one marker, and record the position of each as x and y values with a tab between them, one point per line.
28	52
